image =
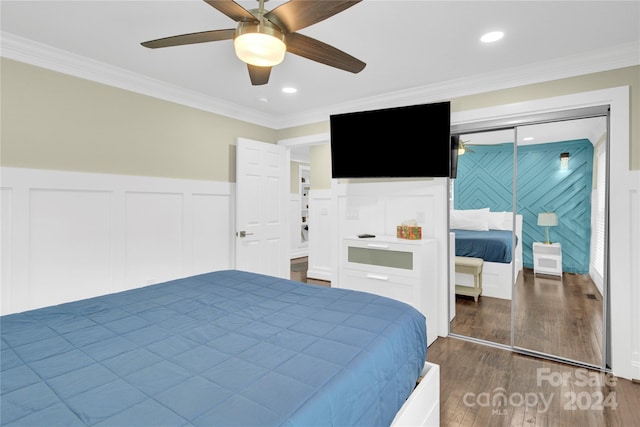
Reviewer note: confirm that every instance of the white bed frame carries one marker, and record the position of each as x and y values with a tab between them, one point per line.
422	408
496	276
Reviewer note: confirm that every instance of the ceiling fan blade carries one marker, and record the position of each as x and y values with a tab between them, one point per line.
318	51
297	14
232	9
192	38
259	75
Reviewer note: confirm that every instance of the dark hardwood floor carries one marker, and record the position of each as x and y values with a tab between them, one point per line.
482	385
487	386
299	272
488	319
561	317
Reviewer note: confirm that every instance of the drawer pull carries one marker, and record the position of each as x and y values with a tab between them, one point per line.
377	276
377	245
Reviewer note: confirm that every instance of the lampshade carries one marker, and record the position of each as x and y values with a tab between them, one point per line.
259	44
548	219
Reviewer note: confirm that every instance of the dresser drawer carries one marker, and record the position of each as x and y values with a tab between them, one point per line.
381	257
401	288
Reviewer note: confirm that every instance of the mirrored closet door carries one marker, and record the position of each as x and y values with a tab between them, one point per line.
561	194
482	227
542	181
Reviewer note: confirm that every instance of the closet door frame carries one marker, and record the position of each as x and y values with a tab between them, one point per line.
559	113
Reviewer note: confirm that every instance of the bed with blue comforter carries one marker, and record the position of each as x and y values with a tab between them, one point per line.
226	348
491	245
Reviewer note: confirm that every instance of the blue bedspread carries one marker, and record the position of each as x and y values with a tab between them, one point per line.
219	349
491	246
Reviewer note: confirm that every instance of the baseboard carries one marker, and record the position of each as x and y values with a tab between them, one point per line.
319	273
298	253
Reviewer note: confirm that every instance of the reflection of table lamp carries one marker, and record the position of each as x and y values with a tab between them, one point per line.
547	219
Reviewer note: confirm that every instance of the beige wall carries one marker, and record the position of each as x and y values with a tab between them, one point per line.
311	129
294	175
320	160
55	121
629	76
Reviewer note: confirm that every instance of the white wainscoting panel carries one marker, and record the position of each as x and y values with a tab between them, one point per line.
154	230
71	235
319	235
211	230
5	240
70	244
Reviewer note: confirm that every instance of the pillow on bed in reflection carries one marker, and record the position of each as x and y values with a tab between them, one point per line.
470	219
500	220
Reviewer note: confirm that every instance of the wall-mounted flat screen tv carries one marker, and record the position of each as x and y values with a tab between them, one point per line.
403	142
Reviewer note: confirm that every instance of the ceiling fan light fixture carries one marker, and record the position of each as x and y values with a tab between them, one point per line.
260	44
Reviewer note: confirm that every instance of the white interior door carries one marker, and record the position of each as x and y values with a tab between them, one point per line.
262	187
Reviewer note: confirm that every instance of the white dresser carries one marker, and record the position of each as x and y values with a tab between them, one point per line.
401	269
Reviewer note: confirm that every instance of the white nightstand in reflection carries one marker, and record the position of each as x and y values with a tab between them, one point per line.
547	258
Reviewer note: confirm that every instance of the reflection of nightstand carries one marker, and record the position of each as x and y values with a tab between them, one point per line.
547	258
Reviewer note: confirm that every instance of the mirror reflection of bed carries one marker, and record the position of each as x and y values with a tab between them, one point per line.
482	223
558	314
485	254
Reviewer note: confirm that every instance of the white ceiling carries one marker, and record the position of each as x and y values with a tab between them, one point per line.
415	51
593	129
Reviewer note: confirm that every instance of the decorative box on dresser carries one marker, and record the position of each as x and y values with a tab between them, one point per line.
401	269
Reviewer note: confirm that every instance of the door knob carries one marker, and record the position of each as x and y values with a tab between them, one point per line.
243	233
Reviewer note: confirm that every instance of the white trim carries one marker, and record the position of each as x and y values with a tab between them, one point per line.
634	233
318	138
42	55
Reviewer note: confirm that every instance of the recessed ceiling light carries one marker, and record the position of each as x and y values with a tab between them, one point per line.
492	36
289	89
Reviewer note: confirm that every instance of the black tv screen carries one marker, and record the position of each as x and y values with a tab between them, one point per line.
403	142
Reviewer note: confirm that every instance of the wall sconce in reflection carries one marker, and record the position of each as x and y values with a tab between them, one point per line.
564	160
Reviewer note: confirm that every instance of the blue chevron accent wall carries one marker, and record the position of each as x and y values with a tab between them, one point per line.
485	180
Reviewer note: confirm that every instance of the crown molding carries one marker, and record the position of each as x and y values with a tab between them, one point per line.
41	55
45	56
621	56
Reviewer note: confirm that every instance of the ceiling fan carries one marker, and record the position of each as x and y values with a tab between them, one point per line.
261	37
464	148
